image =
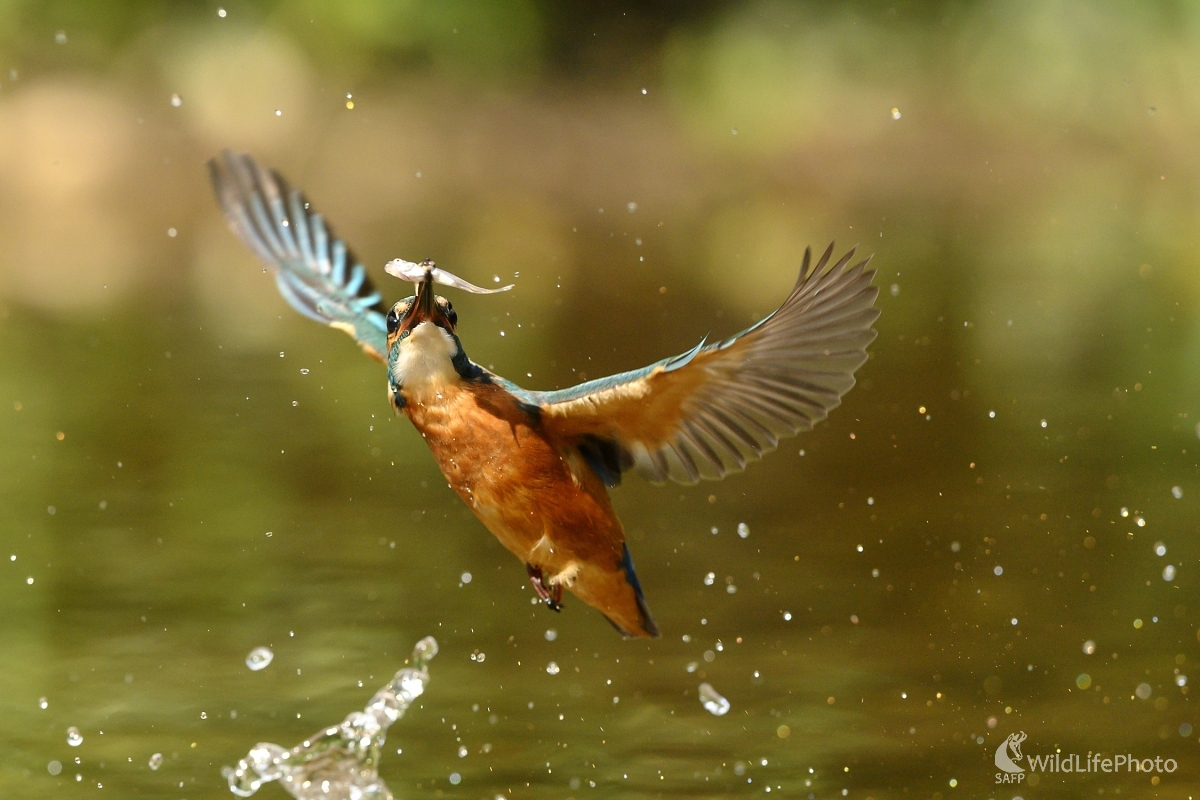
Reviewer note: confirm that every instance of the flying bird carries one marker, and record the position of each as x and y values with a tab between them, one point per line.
535	467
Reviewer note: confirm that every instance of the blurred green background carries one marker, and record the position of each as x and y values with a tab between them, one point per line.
922	573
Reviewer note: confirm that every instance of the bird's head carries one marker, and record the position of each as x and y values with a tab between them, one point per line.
425	306
423	348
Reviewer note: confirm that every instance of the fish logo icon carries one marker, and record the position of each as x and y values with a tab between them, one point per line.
1013	743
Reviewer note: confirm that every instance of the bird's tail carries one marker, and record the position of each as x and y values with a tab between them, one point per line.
648	625
617	594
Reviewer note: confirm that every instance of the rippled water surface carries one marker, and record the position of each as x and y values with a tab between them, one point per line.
214	533
911	590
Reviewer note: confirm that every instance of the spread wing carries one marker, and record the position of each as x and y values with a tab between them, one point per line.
315	272
710	411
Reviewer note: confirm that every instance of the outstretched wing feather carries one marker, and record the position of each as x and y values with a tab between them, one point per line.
716	408
310	265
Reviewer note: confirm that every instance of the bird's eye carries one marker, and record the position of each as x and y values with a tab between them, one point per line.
393	321
451	314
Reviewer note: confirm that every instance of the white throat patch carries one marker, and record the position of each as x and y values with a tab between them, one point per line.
425	358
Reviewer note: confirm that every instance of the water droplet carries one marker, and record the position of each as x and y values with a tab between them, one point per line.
991	415
278	112
176	100
1137	624
1089	647
43	703
1185	729
172	232
1181	680
632	206
552	668
731	589
1168	572
692	666
955	547
74	737
743	530
60	37
221	13
455	779
1044	423
1124	511
1141	522
1177	492
465	577
895	113
304	371
259	658
787	616
1160	549
1083	681
551	634
1143	691
999	570
712	701
156	761
710	578
462	751
895	290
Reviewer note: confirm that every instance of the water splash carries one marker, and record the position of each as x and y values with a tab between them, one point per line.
259	658
340	762
712	700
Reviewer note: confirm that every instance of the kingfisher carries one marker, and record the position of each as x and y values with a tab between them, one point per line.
535	466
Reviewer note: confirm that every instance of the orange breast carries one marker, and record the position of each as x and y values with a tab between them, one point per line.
547	510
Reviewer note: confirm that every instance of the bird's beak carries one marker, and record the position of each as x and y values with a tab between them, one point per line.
424	308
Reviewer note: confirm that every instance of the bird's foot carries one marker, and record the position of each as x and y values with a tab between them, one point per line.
567	576
550	595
